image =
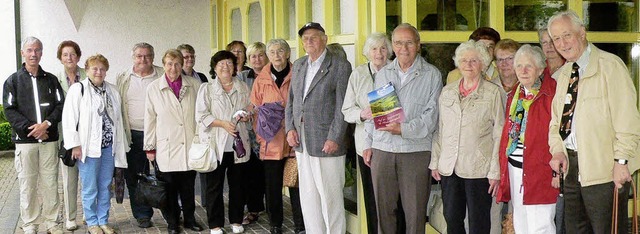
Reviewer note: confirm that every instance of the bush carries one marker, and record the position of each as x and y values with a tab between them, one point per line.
5	137
3	119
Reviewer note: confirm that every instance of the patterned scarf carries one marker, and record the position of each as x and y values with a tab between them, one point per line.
518	110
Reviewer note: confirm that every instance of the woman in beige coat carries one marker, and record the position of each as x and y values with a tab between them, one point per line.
169	128
221	115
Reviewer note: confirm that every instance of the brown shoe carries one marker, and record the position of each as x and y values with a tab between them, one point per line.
95	230
250	218
107	229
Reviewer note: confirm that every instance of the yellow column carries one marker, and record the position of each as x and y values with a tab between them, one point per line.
279	9
409	13
496	15
378	15
302	16
329	16
267	20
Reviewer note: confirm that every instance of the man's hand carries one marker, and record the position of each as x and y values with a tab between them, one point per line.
555	181
38	129
621	174
43	137
559	160
151	156
365	114
76	152
366	156
293	139
493	187
436	174
330	147
393	128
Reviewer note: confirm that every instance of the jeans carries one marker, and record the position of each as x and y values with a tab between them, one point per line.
96	175
137	163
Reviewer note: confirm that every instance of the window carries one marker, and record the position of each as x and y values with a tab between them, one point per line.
456	15
236	25
255	19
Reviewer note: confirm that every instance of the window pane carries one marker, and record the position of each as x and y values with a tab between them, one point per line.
441	56
347	24
624	51
453	15
236	25
292	20
529	15
394	14
255	18
611	15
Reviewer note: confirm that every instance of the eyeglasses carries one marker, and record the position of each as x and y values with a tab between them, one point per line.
404	43
507	59
469	61
143	56
274	52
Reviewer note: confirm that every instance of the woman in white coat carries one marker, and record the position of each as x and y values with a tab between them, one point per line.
92	127
217	103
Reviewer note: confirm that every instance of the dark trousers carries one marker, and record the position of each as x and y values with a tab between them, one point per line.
273	173
457	195
588	209
180	185
254	184
203	189
215	184
137	163
370	202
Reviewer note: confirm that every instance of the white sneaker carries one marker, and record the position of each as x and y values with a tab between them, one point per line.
70	225
237	228
217	231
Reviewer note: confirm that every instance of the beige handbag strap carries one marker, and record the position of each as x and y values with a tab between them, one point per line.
614	213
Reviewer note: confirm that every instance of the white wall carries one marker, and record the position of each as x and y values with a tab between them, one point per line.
112	27
7	40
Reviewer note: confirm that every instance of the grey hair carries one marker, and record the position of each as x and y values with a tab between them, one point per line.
282	43
376	40
542	31
570	15
533	52
407	26
472	45
142	45
30	40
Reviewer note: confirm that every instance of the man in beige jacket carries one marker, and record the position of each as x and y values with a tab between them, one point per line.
594	130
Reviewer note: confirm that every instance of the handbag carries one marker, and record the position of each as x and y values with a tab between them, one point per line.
66	154
436	210
290	174
151	191
118	183
200	159
614	213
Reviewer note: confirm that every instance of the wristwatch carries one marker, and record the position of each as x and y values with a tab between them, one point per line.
621	161
48	123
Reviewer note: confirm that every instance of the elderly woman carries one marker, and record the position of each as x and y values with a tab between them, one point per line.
554	59
169	128
93	128
505	51
254	186
465	151
356	110
526	150
221	117
189	55
240	51
69	54
271	88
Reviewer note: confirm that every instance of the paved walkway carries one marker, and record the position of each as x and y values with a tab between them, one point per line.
120	216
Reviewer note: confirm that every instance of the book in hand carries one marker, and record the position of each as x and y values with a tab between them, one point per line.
385	106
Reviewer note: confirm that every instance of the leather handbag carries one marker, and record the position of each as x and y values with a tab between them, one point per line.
118	183
151	191
614	213
290	175
200	159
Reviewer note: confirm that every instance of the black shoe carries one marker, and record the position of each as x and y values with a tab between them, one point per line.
276	230
145	223
173	231
194	226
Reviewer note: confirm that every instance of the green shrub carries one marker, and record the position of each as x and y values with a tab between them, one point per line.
5	137
3	119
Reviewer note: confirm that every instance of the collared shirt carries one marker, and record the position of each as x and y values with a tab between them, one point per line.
175	85
571	142
404	75
312	70
136	97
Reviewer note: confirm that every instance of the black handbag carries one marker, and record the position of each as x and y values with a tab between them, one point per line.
151	191
63	153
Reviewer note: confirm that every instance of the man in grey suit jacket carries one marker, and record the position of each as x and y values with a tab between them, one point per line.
316	129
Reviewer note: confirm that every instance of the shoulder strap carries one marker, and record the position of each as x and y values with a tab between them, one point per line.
81	94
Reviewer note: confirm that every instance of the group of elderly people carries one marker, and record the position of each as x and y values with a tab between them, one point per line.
499	131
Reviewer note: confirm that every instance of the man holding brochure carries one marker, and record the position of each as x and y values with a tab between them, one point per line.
399	153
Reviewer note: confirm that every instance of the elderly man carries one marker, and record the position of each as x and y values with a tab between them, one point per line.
399	154
132	85
33	101
594	129
316	129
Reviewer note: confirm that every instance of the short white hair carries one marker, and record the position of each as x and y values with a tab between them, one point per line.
30	40
533	52
413	29
476	46
376	40
570	15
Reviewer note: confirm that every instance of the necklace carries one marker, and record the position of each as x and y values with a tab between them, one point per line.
227	84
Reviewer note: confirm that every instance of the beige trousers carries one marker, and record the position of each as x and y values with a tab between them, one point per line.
38	162
70	191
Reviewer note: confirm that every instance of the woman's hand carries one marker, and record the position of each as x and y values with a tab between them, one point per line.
365	114
435	174
366	156
229	127
555	181
76	152
493	187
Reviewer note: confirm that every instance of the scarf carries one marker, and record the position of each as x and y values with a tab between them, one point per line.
280	75
518	111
